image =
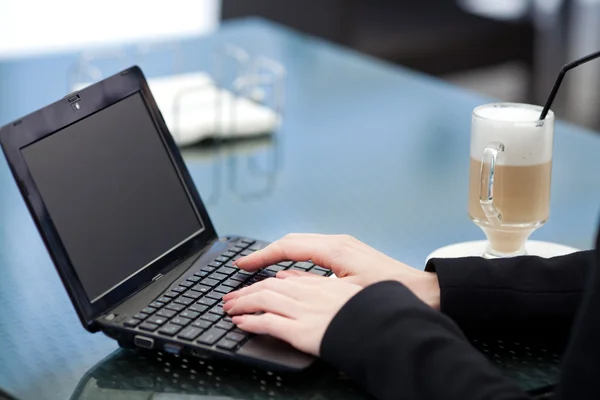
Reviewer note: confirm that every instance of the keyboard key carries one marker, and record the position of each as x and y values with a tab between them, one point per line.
247	241
190	333
171	294
148	310
206	301
166	313
229	264
211	317
148	327
237	257
227	318
212	266
156	304
226	344
305	265
198	308
285	263
237	249
140	316
175	307
215	295
169	329
193	279
157	320
318	272
236	336
267	274
229	254
223	289
201	274
192	294
225	325
186	284
256	247
255	279
232	283
202	323
164	299
218	309
217	276
211	336
202	288
275	268
210	282
181	321
317	268
222	259
226	270
189	314
246	252
131	322
178	289
240	276
186	301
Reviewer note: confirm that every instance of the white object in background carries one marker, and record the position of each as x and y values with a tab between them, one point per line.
194	109
499	9
42	26
477	248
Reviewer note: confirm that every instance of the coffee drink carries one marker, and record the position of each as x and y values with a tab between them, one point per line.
520	188
521	192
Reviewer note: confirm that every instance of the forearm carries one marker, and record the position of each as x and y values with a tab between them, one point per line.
398	347
520	295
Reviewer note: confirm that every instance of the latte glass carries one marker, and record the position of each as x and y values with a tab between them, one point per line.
510	171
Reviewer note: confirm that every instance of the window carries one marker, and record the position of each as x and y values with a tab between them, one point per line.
30	27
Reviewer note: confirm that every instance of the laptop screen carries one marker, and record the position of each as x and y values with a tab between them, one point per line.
113	194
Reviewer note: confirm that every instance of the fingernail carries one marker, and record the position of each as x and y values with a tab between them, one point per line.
287	274
228	305
228	296
238	319
235	262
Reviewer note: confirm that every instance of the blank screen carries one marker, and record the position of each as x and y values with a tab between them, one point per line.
113	194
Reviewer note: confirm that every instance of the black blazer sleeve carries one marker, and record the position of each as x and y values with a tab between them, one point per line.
513	296
400	348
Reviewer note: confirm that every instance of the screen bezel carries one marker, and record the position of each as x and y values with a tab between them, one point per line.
51	119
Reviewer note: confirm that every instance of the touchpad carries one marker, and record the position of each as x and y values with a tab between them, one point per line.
276	351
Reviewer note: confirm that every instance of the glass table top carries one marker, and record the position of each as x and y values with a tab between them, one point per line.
366	148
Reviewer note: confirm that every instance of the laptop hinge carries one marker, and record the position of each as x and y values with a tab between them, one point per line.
157	277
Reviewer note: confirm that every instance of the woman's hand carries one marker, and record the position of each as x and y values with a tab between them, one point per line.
297	310
350	259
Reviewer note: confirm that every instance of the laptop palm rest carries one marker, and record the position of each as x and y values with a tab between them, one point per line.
276	351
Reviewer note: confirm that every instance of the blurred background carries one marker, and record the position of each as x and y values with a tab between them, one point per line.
507	49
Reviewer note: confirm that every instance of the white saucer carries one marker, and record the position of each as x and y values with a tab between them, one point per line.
476	248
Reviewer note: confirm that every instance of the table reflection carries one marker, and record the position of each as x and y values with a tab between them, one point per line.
129	374
246	168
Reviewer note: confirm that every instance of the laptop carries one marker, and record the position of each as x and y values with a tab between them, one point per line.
127	231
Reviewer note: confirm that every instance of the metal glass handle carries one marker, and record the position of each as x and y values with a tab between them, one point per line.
486	186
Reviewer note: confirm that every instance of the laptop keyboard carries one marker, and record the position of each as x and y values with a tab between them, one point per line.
192	310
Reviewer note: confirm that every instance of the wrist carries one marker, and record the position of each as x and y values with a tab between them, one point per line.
434	291
424	285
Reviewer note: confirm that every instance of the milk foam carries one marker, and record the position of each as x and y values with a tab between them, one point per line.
515	126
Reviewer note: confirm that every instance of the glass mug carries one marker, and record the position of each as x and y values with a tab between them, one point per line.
510	171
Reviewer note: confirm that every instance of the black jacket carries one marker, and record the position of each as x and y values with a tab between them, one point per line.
400	348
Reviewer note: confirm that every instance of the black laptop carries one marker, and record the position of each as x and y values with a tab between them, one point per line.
127	231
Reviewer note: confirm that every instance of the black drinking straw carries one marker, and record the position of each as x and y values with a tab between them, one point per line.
561	75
